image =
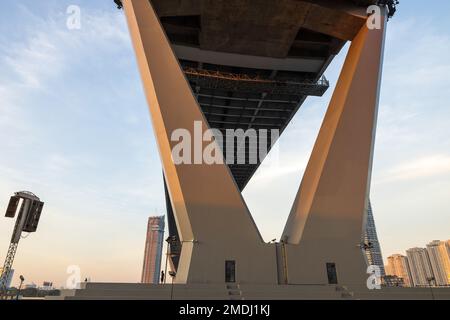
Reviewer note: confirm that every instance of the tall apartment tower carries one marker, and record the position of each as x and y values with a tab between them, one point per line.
153	250
397	265
439	259
373	250
420	265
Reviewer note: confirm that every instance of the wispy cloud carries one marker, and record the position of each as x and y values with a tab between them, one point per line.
426	167
35	60
47	73
277	170
43	54
48	47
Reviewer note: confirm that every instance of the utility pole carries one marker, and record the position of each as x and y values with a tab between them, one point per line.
27	221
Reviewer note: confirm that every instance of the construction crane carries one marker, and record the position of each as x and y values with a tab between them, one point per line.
27	221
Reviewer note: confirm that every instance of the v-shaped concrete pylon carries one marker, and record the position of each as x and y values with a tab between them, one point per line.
323	233
212	218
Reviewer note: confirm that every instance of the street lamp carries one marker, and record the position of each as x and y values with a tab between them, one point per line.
119	4
366	245
430	281
22	279
172	274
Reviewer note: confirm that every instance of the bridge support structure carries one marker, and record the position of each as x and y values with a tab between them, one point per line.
220	241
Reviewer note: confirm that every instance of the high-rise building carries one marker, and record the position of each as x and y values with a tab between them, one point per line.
373	248
393	281
420	266
398	266
440	261
153	250
447	261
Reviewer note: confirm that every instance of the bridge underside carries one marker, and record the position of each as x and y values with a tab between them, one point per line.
233	64
251	66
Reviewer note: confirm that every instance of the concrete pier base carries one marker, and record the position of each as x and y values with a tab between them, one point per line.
131	291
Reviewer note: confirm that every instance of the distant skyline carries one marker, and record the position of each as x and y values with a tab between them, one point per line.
151	267
75	130
422	245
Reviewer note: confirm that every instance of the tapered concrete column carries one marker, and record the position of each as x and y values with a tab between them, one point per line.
211	216
328	216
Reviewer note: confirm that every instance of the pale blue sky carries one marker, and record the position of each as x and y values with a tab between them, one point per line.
75	129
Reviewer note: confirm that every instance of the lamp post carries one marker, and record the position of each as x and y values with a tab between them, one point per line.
22	279
430	281
172	274
119	4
